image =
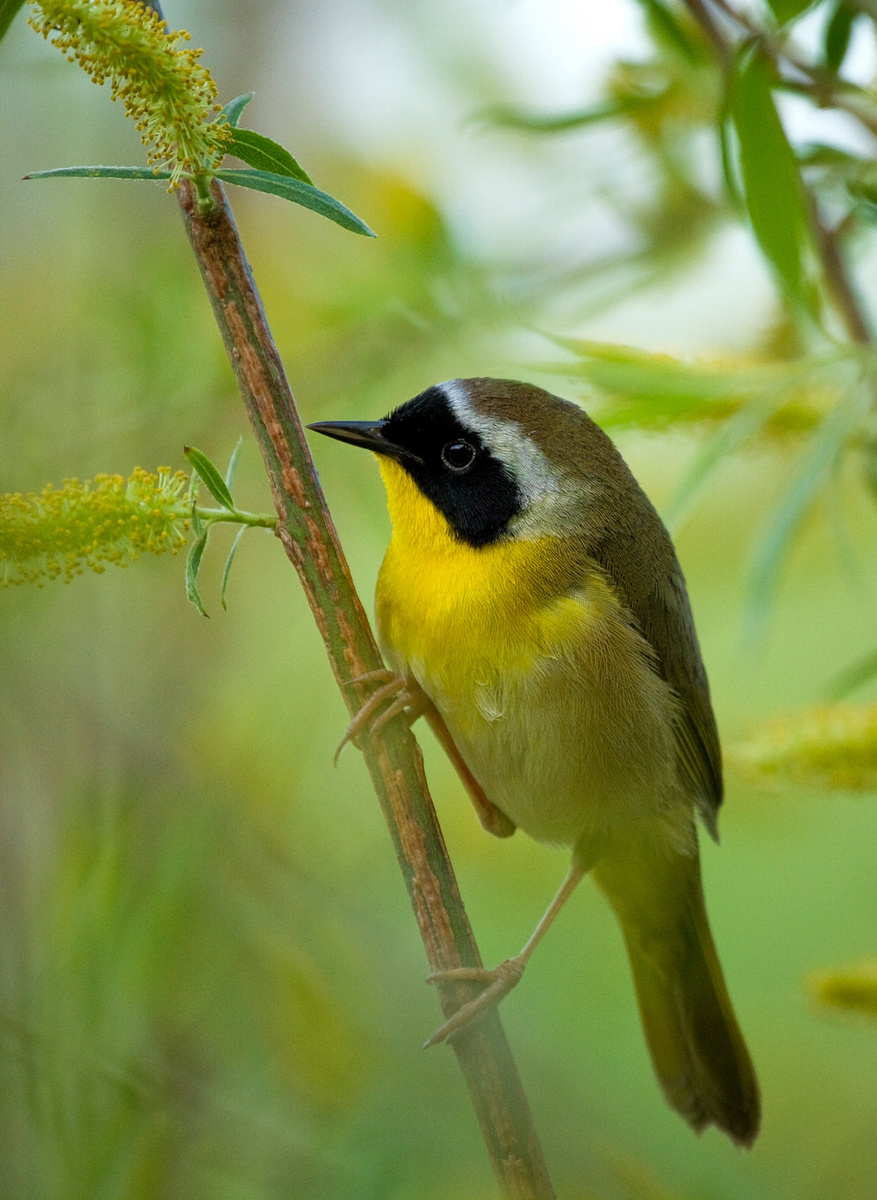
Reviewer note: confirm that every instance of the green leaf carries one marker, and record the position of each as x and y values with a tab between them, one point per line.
285	186
837	35
297	193
514	118
265	155
665	28
227	568
193	562
100	173
233	464
789	10
8	9
818	154
820	456
209	476
232	111
729	437
772	184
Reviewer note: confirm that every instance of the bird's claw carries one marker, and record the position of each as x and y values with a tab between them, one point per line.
498	981
405	696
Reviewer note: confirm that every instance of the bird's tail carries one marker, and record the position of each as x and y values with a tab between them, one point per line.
696	1045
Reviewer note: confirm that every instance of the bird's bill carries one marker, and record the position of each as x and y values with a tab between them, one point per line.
369	434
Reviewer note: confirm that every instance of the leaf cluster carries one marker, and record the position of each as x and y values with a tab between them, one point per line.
273	170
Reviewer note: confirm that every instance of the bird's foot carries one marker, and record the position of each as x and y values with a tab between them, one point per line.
405	695
498	983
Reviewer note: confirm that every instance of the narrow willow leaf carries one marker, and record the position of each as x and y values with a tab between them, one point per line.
99	173
8	9
729	437
771	181
820	456
233	464
665	28
209	476
655	389
789	10
297	193
818	154
193	562
728	146
227	568
266	155
514	118
837	35
849	681
232	111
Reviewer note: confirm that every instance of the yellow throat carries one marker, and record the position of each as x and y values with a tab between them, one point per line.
459	610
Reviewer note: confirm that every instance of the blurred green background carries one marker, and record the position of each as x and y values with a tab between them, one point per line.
211	983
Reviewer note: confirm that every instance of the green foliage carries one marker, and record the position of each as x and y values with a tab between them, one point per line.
265	155
193	565
8	9
289	188
285	186
771	180
169	94
789	10
231	111
210	476
197	934
837	35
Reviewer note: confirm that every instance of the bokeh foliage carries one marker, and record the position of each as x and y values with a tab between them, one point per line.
211	982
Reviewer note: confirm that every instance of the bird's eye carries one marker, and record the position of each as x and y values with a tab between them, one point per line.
458	456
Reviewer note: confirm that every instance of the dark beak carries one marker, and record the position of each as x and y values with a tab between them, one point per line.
369	434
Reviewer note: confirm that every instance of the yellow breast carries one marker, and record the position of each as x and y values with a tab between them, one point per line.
544	686
455	612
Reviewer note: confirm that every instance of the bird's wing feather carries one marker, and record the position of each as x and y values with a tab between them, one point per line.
658	601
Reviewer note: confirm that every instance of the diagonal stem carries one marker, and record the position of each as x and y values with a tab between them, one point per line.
393	760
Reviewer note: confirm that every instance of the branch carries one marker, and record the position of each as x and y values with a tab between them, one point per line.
393	760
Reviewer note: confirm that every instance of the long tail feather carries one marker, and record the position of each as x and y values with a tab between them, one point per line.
697	1049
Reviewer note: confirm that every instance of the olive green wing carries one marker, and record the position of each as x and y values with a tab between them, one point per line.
648	581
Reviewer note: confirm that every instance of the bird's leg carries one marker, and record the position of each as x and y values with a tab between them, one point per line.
500	980
491	818
406	697
412	700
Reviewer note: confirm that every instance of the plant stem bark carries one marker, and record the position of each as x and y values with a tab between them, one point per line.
393	759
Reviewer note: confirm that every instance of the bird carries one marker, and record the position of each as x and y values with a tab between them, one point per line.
532	607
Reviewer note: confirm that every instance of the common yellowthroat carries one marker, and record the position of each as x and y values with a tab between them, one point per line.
532	602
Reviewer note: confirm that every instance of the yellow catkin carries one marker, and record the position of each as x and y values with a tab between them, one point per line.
104	521
166	91
832	746
851	989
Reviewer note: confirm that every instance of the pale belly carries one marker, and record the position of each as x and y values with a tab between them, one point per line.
559	716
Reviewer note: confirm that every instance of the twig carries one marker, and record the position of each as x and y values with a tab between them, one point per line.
837	278
393	760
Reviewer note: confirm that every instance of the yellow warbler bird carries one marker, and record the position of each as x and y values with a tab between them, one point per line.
534	607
